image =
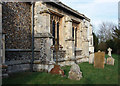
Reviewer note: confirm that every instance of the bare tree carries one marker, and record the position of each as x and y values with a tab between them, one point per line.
105	31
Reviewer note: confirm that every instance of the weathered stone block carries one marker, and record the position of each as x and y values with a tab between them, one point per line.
19	67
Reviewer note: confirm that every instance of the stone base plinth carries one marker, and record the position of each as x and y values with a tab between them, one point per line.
68	63
43	67
18	68
82	60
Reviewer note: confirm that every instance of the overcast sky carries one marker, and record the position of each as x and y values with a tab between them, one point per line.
97	10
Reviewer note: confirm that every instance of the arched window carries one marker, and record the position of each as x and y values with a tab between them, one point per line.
58	33
73	32
53	31
75	37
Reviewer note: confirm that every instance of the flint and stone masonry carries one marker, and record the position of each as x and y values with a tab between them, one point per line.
54	23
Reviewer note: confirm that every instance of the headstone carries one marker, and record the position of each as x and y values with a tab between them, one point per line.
109	52
91	59
99	60
110	61
75	72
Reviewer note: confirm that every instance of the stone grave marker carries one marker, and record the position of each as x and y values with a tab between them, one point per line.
110	60
109	52
99	60
75	72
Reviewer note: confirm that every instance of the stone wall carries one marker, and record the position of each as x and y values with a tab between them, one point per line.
43	37
65	36
17	25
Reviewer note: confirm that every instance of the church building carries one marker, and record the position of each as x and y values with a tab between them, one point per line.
42	34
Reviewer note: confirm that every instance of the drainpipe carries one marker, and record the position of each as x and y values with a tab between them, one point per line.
32	60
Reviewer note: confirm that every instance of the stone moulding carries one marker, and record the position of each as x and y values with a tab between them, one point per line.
76	21
43	35
69	39
45	11
56	13
17	62
18	50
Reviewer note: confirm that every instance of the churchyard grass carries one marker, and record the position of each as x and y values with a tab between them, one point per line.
91	75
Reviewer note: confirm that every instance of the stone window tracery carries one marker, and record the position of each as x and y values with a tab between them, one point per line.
55	24
74	32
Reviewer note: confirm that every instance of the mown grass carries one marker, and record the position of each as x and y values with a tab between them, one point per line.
91	75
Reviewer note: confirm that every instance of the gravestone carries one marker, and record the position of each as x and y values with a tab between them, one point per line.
91	59
110	61
109	52
75	72
99	60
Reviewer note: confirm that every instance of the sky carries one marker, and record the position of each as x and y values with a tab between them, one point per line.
97	10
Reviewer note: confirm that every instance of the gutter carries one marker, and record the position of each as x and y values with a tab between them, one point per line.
32	60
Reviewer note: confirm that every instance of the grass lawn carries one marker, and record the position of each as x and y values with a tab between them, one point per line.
91	75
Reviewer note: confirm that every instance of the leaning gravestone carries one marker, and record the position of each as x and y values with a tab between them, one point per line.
99	60
75	72
110	60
